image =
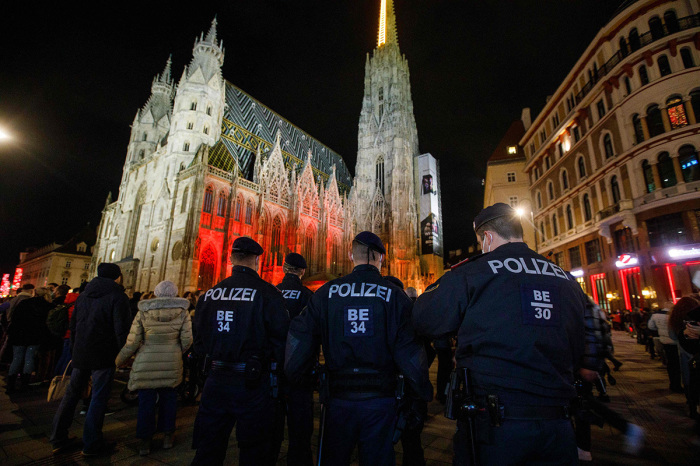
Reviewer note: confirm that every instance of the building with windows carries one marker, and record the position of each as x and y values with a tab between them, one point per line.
613	156
506	180
207	163
66	264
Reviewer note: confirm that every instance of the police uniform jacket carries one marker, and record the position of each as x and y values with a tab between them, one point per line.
519	321
241	317
363	322
295	294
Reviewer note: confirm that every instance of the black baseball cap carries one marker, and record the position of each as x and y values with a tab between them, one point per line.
295	260
247	245
491	212
372	241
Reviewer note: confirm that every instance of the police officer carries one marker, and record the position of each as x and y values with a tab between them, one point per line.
297	401
242	326
363	323
519	321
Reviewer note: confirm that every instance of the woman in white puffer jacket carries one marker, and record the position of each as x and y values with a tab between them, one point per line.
160	334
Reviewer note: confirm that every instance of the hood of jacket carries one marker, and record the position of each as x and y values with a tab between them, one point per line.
161	309
100	286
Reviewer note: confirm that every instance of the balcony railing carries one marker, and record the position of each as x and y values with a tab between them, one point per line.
624	204
643	40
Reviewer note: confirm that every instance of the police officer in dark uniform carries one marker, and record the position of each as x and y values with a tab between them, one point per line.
241	326
363	323
519	321
297	400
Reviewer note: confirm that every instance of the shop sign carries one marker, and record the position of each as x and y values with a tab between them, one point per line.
626	260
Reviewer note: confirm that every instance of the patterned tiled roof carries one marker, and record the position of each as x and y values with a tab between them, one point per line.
247	123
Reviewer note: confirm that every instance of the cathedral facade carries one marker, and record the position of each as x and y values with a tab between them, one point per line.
207	163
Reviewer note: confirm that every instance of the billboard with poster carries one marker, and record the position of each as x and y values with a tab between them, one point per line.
430	208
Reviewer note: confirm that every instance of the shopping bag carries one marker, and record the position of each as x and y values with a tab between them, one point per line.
59	385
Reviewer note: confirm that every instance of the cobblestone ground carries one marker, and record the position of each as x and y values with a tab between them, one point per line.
641	395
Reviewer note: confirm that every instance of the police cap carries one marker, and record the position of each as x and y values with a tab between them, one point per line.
372	241
497	210
246	245
295	260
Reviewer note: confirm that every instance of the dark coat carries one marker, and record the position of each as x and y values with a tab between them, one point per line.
100	324
28	325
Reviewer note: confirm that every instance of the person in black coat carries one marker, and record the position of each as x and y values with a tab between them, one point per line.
26	333
99	327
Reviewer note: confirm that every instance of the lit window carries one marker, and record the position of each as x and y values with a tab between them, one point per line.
511	177
676	113
208	195
512	150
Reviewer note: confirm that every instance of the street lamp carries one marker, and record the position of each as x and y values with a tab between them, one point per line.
4	135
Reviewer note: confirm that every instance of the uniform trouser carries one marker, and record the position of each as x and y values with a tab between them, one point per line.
531	442
367	423
227	402
413	454
298	407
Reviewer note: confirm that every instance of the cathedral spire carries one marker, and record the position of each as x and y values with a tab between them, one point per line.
211	35
165	76
387	24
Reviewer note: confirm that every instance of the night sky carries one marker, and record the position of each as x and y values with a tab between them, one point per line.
73	77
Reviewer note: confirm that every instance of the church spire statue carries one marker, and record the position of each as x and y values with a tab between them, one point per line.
387	24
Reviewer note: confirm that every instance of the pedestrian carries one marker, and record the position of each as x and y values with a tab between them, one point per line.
677	325
99	327
363	324
25	292
240	328
160	333
521	336
659	322
27	331
296	401
67	307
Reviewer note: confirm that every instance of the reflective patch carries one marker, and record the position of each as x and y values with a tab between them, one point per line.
540	305
225	320
359	321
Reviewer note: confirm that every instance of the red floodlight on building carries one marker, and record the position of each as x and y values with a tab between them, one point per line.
17	280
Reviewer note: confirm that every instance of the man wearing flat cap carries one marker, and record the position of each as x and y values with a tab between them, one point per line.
240	329
363	323
519	322
99	327
297	400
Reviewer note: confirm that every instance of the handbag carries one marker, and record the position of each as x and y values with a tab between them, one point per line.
59	385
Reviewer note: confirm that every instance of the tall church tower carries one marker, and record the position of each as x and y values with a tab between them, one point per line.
387	144
199	102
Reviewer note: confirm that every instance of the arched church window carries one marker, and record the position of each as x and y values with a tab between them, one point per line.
309	245
208	198
249	212
209	110
237	215
145	137
186	147
275	257
380	102
185	196
379	173
142	153
207	268
221	205
193	106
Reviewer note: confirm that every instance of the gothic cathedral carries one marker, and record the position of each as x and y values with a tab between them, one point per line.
207	163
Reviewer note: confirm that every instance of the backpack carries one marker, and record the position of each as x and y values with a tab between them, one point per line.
57	320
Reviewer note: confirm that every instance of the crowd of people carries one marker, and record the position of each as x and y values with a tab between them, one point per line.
529	353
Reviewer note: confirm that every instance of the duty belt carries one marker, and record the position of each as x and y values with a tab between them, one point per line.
360	380
521	412
231	367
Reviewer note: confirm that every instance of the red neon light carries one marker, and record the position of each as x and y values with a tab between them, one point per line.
692	263
671	283
625	287
594	278
17	280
